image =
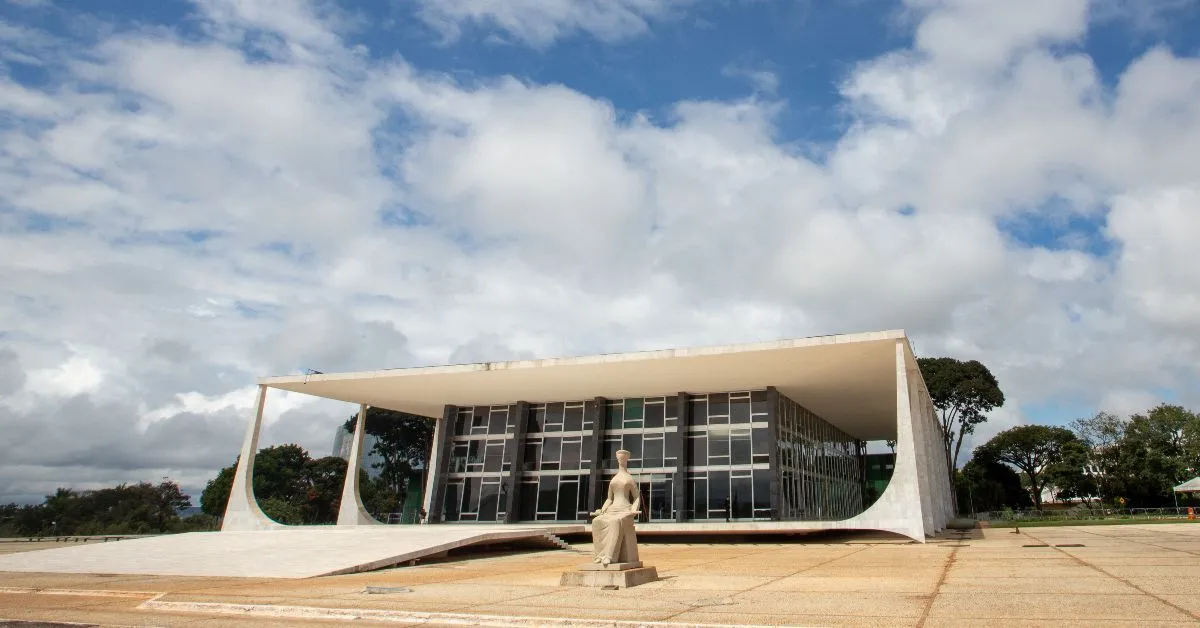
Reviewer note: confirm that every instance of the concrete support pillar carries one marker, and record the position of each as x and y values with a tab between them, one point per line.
351	511
773	460
683	410
442	445
242	511
435	457
597	408
908	477
520	412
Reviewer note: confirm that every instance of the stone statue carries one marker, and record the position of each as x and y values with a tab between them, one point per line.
613	535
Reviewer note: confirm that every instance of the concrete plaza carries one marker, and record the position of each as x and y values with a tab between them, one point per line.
1131	575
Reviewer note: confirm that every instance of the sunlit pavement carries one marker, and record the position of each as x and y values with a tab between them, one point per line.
1133	575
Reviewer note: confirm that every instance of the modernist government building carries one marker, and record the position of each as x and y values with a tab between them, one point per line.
766	437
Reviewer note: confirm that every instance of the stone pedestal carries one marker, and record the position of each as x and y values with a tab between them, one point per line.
622	575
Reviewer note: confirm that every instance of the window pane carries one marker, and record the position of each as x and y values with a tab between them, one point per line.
633	410
718	405
537	419
470	501
488	501
533	456
761	438
570	455
671	455
573	421
494	456
718	493
739	447
460	425
529	496
585	505
554	416
739	410
671	404
652	456
758	402
741	497
633	444
497	421
547	493
698	449
611	445
655	415
718	441
568	494
699	411
762	489
698	498
661	495
613	414
452	501
551	447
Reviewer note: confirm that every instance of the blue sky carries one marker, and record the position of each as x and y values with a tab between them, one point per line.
200	192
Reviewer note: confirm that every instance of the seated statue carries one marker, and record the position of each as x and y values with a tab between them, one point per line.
613	535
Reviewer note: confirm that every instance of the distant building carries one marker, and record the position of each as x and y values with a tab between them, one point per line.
341	449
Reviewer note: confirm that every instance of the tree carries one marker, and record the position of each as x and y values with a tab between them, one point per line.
962	393
403	441
215	496
289	486
1151	456
141	508
986	484
1030	448
1069	476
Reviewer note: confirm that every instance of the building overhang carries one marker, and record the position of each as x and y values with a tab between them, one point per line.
849	380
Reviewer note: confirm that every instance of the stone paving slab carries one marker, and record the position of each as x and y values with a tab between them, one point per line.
983	578
289	553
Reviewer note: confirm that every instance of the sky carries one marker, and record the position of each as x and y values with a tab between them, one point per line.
197	193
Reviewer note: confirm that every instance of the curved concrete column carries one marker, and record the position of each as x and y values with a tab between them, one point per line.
908	505
431	467
242	511
351	511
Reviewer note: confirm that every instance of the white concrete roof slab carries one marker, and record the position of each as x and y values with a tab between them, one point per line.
299	552
849	380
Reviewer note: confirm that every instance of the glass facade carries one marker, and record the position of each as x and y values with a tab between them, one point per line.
648	428
820	470
727	446
480	464
558	460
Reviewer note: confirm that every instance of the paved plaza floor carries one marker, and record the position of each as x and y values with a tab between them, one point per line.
1132	575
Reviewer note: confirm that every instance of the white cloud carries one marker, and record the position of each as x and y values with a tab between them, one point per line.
762	80
211	218
541	22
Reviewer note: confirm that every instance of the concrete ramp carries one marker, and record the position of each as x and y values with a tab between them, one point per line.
301	552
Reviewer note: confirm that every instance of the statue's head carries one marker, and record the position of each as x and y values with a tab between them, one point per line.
622	455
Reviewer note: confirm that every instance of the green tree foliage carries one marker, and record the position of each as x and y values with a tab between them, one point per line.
962	392
290	486
141	508
986	484
1069	477
1142	459
215	496
1030	448
403	441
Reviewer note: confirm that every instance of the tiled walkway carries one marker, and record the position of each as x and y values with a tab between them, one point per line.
1097	576
302	552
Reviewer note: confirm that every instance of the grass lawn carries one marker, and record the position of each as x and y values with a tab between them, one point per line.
1083	522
